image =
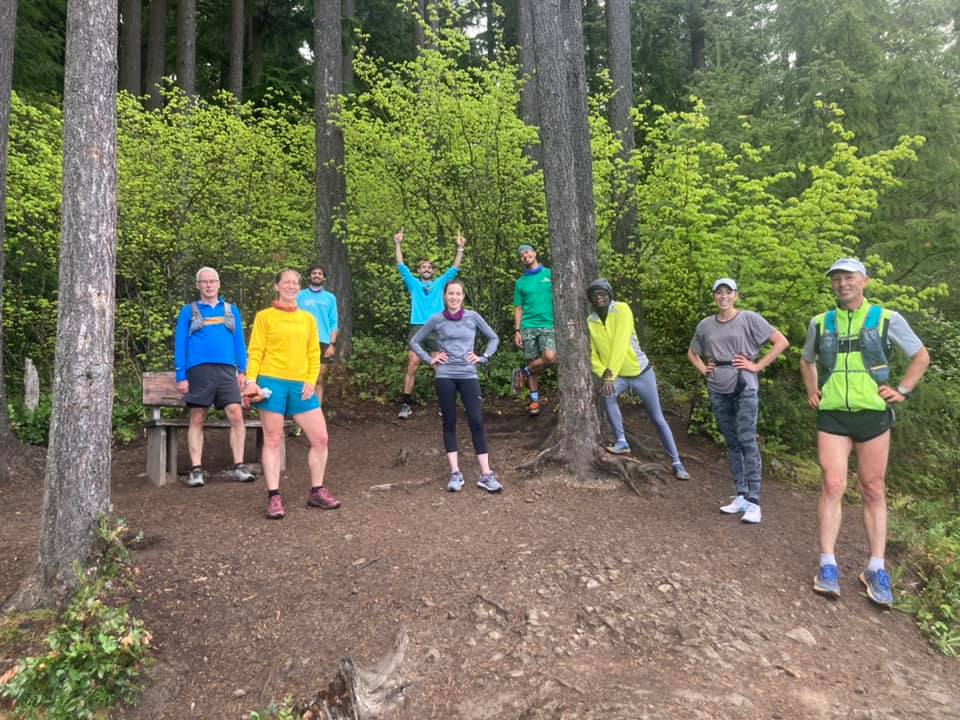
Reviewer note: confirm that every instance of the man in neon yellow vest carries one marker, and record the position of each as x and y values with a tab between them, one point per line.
847	381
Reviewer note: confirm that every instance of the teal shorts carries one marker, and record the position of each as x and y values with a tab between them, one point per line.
285	399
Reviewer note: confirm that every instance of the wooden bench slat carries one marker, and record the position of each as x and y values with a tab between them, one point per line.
160	390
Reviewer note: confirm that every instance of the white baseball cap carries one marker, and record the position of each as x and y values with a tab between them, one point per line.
729	282
848	265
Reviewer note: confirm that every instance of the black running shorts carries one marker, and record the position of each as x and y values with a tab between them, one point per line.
214	385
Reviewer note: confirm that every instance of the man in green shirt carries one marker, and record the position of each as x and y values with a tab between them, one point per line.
533	330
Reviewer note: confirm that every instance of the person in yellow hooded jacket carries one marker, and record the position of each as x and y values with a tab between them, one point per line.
621	365
846	378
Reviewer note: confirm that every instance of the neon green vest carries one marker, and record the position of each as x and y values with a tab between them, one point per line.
849	385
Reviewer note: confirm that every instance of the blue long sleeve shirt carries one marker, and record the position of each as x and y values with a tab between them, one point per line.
212	344
426	296
322	304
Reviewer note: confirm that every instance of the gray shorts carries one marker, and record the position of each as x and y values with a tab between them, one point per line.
431	344
214	385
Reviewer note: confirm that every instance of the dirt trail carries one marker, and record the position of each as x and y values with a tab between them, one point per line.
552	600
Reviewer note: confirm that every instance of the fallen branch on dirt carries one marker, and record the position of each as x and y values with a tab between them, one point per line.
358	693
401	485
502	610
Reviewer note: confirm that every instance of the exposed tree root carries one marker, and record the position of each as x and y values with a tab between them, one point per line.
359	693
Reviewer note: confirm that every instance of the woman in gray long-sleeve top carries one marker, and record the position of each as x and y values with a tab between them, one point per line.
455	370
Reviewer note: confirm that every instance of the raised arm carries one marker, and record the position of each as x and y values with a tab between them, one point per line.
397	240
458	258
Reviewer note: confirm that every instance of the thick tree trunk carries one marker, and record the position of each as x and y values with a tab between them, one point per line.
619	58
187	46
131	48
256	51
529	108
331	185
156	52
348	11
8	25
237	27
77	480
567	169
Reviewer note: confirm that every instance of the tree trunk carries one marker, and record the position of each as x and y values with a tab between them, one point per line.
8	25
347	12
490	37
256	51
567	170
187	46
131	13
77	480
156	52
331	185
419	36
697	34
529	109
237	27
619	58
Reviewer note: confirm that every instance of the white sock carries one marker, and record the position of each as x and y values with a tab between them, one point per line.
827	559
875	564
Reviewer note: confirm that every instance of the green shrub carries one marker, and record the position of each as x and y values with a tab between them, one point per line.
95	655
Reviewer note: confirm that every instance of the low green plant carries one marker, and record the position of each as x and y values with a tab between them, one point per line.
31	427
284	711
94	656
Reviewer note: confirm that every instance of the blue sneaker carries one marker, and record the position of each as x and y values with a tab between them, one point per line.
877	583
827	581
456	482
620	447
490	483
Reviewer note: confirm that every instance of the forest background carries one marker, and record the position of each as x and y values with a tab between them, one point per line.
768	139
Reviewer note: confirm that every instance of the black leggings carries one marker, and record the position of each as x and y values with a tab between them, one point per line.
472	400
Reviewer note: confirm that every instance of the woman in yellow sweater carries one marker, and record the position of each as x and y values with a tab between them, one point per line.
283	362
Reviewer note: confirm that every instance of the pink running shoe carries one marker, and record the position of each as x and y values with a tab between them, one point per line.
320	497
275	508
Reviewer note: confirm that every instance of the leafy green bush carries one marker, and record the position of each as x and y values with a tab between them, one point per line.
32	428
96	653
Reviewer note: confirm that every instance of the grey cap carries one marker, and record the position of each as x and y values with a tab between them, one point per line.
729	282
524	248
848	265
599	284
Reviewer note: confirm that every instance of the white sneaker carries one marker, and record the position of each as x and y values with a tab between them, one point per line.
751	514
738	505
405	411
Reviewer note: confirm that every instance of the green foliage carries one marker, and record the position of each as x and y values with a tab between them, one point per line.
94	656
284	711
929	534
434	147
32	428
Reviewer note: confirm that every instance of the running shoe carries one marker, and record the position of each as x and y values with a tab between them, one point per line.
275	508
196	478
533	409
877	583
620	447
456	482
752	514
489	483
827	581
320	497
405	411
680	472
738	505
242	474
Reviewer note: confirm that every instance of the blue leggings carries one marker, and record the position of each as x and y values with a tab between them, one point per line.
472	399
644	386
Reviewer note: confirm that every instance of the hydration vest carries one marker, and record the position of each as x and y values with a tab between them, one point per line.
871	344
197	322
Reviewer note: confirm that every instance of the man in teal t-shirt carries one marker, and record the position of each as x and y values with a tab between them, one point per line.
533	324
426	299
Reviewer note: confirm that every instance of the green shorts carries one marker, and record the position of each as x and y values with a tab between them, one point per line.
536	341
858	426
431	344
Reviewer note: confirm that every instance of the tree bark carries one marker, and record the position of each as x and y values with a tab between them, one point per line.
237	27
77	480
256	50
8	25
697	34
131	48
331	185
187	46
619	58
529	109
567	170
347	12
156	52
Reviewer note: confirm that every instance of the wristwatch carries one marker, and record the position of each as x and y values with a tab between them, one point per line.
903	391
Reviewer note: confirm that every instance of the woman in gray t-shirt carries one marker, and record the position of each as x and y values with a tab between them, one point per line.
455	371
725	349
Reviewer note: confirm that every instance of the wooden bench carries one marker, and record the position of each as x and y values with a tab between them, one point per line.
160	391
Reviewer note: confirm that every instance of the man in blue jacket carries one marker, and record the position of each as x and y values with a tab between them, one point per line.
426	299
210	356
322	304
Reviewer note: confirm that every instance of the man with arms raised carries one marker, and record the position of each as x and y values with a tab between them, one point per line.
210	356
845	373
426	300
